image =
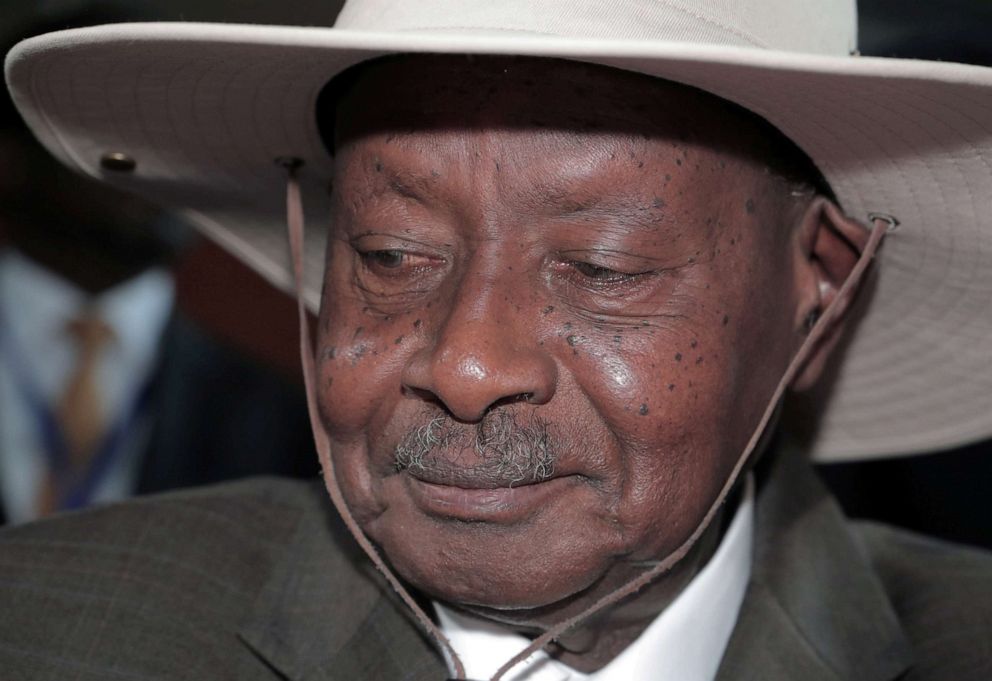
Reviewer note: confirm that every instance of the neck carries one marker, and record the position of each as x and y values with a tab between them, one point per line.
597	641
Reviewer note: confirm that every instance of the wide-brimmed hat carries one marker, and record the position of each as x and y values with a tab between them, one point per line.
194	115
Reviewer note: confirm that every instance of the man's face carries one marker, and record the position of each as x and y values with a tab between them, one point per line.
557	300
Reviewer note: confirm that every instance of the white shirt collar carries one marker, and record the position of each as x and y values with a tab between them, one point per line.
686	642
36	305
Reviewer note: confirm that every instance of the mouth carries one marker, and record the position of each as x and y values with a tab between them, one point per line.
475	500
480	477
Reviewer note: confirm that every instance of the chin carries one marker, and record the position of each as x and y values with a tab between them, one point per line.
529	566
500	586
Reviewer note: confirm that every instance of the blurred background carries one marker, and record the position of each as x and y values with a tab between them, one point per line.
210	386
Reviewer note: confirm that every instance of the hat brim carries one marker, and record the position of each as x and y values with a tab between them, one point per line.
205	109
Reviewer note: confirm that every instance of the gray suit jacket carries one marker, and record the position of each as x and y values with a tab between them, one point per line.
256	580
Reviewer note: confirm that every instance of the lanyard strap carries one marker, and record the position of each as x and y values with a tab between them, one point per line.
76	488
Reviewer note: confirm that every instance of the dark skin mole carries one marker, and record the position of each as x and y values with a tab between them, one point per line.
678	356
643	410
749	206
417	323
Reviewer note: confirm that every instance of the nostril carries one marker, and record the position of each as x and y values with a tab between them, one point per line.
512	399
422	393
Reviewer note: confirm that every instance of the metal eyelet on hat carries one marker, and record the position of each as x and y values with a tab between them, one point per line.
118	162
892	221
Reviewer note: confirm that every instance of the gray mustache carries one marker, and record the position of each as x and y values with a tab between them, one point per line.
503	450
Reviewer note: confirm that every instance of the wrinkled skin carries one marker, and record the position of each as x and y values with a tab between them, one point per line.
601	251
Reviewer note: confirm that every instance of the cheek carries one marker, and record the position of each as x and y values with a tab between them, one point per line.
360	360
649	384
666	397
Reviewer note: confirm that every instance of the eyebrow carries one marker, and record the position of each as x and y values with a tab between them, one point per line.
552	200
410	185
637	215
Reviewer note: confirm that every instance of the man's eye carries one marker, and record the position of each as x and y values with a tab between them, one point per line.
389	259
602	274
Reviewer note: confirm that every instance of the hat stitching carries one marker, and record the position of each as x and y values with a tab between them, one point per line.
715	22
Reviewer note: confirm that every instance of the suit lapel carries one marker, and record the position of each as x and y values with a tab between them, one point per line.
325	614
165	460
815	609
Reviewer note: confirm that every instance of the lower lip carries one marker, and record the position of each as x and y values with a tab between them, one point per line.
501	505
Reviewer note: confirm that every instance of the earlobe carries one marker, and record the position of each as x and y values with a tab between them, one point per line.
830	244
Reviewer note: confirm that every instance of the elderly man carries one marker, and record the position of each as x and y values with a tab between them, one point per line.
564	287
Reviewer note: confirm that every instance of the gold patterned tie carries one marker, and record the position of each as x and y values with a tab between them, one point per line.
80	410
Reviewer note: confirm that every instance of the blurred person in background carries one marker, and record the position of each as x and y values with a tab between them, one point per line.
105	389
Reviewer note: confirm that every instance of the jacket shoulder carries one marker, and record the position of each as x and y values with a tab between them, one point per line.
942	593
155	586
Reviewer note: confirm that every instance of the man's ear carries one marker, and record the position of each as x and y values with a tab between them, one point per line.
829	245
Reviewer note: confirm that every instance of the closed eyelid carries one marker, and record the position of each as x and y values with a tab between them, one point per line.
610	258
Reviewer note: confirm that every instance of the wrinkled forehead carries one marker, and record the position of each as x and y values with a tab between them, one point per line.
540	97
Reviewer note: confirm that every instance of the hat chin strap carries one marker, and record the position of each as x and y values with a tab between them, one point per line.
295	224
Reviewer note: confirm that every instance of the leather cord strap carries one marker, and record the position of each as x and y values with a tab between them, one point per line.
295	224
880	224
833	310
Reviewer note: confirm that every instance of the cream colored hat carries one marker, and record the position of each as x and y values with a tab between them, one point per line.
201	111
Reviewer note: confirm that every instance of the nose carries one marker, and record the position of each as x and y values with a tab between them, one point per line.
484	354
